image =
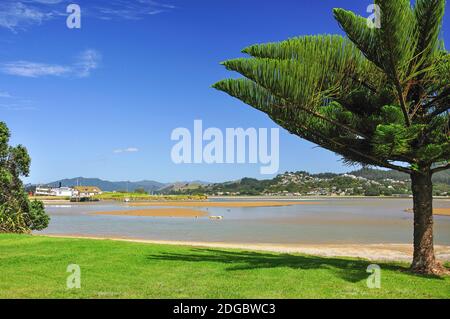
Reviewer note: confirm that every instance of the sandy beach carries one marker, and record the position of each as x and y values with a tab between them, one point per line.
169	212
222	204
372	252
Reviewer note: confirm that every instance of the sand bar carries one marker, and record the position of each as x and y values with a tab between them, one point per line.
373	252
436	211
442	211
221	204
169	212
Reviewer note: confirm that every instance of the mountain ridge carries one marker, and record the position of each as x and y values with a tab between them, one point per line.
368	182
152	186
149	186
108	186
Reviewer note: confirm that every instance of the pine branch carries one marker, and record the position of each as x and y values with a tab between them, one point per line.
374	160
445	94
402	102
440	168
340	147
363	83
320	116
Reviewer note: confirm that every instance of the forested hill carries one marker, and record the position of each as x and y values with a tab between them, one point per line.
368	182
376	174
108	186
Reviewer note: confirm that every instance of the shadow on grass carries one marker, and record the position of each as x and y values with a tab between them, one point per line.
351	270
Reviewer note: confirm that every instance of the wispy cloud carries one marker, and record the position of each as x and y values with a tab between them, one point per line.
4	94
18	15
131	10
16	107
9	102
87	61
33	69
45	1
126	150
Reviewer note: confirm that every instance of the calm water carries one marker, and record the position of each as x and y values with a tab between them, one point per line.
329	221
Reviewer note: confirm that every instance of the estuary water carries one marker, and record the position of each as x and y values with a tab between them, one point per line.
328	221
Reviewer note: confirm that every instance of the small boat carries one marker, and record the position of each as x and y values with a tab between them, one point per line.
215	217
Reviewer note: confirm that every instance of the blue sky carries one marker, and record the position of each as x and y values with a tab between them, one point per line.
103	100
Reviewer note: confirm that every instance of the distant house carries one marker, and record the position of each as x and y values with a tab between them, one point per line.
56	192
63	192
43	191
87	191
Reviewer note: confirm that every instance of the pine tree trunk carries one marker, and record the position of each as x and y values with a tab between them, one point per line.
424	261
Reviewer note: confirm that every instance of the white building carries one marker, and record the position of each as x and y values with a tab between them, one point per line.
87	191
63	192
56	192
43	191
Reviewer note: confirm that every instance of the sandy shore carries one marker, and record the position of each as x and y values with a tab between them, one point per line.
373	252
56	202
222	204
169	212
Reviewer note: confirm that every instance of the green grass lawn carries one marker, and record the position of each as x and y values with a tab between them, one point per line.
35	267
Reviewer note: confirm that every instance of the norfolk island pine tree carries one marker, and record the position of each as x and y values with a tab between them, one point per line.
377	97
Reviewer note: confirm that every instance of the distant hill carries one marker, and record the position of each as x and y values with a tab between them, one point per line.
363	181
183	186
377	174
107	186
369	182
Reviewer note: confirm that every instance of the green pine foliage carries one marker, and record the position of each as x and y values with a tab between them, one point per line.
380	96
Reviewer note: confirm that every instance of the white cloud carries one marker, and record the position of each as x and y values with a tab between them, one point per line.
32	69
127	150
131	9
46	1
20	14
88	60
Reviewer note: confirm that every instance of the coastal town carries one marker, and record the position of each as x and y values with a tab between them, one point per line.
364	182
